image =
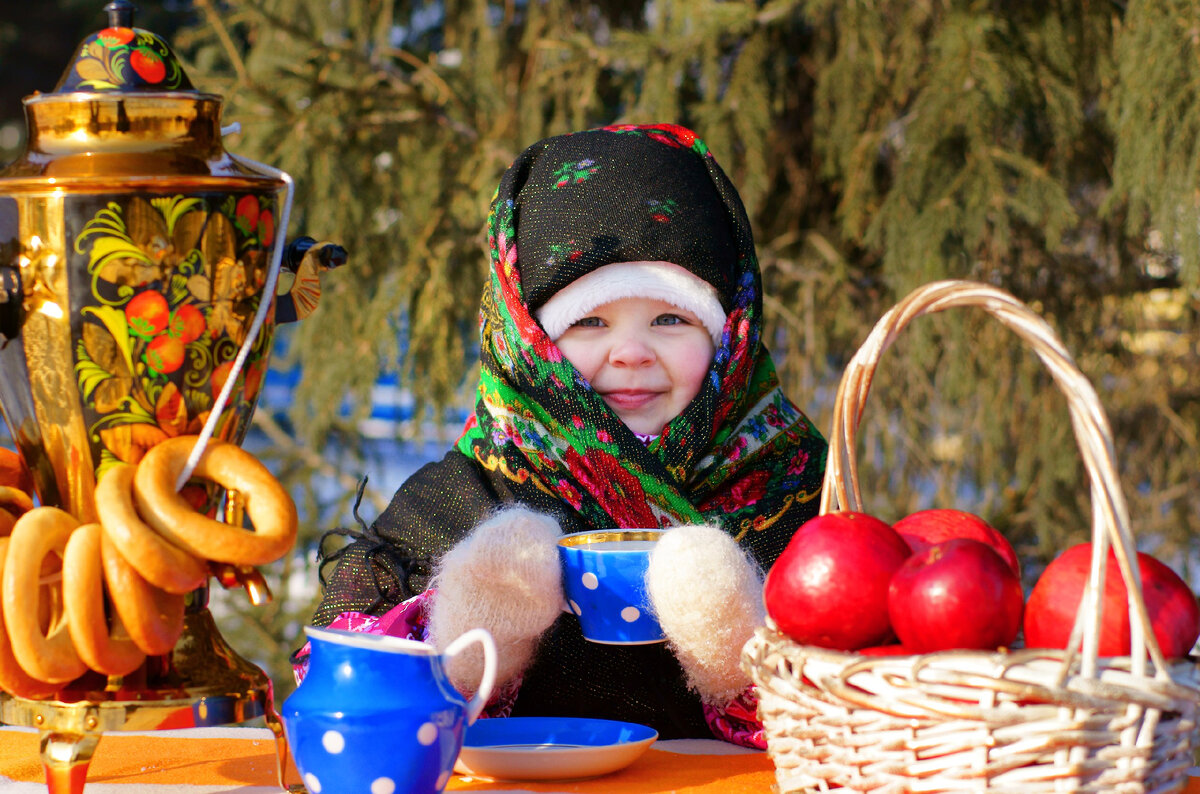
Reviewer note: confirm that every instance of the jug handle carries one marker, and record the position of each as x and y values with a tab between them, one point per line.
476	703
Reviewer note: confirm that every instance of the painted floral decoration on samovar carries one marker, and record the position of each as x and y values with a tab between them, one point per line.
175	282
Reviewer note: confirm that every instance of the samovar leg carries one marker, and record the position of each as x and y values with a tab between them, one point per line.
65	757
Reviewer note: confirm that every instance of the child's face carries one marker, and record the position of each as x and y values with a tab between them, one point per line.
646	358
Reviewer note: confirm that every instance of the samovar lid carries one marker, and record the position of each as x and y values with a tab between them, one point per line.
124	114
122	58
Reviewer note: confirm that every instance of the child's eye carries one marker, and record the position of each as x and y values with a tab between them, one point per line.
669	319
589	322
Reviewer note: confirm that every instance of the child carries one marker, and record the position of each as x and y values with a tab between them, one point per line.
623	384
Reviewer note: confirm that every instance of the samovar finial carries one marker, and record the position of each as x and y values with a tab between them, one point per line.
120	13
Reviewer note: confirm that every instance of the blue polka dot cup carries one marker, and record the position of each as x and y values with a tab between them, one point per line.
377	715
604	580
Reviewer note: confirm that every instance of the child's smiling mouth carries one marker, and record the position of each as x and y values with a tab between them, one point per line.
629	399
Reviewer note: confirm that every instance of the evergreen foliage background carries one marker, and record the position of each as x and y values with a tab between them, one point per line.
1049	148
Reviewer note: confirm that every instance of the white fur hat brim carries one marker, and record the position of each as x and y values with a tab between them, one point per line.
662	281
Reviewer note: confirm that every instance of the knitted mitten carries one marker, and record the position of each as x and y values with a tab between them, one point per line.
707	595
504	577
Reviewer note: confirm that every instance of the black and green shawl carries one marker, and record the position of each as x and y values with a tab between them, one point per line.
740	455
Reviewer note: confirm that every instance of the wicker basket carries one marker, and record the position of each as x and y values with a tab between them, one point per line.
1024	721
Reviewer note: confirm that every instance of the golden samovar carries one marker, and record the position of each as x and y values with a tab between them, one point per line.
138	270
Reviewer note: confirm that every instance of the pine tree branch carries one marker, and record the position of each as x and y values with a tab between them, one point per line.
397	80
218	25
310	457
425	71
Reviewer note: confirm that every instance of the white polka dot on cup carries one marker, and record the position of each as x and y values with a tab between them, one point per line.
312	784
575	608
383	785
630	614
427	733
590	581
333	742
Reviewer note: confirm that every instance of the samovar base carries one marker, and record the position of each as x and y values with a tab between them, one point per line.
203	682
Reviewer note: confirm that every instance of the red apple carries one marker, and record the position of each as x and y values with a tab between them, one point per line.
927	527
885	650
1171	604
829	587
955	594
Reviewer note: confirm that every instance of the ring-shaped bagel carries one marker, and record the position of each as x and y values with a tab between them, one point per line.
14	500
152	617
271	510
13	678
47	657
103	650
160	562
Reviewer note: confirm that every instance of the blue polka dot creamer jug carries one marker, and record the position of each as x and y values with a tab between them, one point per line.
377	714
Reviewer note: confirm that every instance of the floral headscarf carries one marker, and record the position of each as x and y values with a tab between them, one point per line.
740	454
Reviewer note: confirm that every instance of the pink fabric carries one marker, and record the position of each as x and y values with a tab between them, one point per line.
405	620
737	721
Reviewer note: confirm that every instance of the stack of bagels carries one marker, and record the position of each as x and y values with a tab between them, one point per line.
103	596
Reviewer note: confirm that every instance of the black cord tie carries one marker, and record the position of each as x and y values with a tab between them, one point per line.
372	546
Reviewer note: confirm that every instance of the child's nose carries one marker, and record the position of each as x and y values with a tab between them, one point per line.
631	351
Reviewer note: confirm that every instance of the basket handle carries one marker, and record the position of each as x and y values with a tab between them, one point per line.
1110	515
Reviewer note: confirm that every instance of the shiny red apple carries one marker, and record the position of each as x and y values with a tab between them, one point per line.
1171	604
924	528
885	650
829	586
955	594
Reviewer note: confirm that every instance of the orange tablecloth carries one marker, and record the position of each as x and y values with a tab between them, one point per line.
242	760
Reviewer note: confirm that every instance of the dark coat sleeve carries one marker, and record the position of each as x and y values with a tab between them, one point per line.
393	558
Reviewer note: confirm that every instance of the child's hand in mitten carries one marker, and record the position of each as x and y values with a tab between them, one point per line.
707	595
504	577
